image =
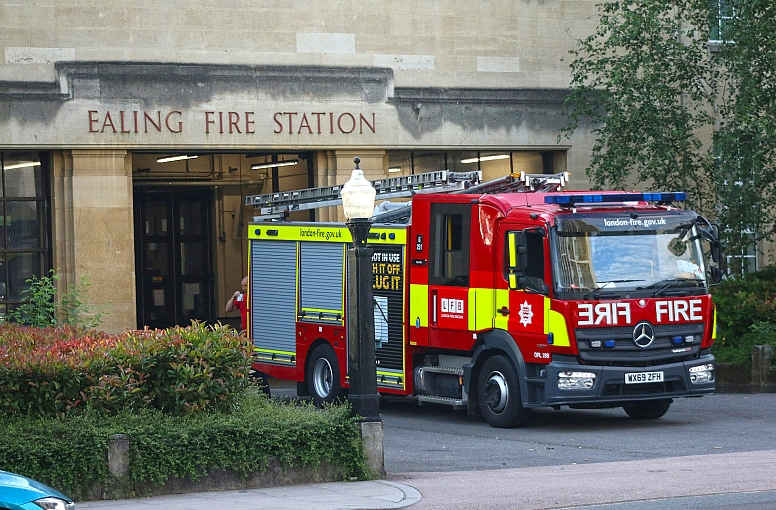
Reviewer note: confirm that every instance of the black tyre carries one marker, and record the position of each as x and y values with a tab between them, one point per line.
323	375
498	392
648	409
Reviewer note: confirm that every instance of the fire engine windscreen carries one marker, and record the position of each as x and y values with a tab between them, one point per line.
644	254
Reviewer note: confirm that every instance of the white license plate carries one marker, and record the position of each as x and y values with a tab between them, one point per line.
643	377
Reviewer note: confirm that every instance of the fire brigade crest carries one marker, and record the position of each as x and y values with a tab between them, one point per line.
526	314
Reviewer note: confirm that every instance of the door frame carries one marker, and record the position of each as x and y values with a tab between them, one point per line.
172	198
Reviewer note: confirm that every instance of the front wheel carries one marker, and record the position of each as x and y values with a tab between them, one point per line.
647	409
323	375
498	392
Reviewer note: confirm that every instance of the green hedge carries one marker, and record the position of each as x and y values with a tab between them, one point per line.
56	371
69	453
746	315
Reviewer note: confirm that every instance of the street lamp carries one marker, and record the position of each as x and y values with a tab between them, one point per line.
358	202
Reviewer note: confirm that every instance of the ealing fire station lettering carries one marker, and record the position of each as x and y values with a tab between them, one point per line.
230	122
386	268
678	310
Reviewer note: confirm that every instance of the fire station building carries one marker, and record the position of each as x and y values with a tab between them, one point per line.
130	135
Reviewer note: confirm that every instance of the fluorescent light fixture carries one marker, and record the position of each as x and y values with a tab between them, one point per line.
486	158
290	162
394	169
26	164
175	158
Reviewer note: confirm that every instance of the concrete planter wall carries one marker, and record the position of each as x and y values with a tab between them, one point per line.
761	378
121	487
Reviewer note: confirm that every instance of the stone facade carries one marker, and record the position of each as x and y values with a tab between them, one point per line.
100	86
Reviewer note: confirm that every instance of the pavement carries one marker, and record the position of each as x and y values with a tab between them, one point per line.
378	494
664	483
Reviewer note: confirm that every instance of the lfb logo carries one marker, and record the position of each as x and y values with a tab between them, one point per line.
452	305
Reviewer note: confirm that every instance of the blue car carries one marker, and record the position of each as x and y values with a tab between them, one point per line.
21	493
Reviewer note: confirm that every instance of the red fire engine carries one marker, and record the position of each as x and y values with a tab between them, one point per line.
495	297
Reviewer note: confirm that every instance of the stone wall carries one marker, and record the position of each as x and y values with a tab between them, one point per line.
493	44
761	378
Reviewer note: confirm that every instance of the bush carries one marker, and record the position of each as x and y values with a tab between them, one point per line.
42	308
55	371
746	315
69	453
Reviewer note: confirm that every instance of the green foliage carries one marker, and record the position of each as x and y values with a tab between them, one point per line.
42	308
642	78
649	85
746	315
55	371
68	453
746	140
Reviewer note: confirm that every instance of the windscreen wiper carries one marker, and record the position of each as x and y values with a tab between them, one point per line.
594	293
671	282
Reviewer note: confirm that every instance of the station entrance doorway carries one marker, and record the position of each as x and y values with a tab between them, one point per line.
173	256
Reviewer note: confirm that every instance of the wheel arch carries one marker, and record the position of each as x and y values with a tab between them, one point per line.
493	343
313	345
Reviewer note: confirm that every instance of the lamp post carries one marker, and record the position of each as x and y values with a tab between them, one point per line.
358	201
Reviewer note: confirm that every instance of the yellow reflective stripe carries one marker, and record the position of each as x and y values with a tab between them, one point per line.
418	305
714	326
546	315
270	351
322	232
556	324
512	253
481	308
501	299
512	281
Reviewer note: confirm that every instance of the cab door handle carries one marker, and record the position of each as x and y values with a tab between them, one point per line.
503	311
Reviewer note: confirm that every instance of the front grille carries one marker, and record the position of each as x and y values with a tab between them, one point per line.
625	351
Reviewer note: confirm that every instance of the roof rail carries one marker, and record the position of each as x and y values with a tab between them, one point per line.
279	205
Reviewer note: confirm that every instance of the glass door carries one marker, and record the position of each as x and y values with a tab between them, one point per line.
173	257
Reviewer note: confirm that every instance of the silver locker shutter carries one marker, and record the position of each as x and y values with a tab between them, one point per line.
273	298
321	276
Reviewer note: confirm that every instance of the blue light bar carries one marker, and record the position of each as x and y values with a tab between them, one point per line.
609	343
590	198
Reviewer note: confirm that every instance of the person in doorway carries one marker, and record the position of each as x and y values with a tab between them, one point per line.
239	301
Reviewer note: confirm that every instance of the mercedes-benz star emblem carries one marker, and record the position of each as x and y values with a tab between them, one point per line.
643	334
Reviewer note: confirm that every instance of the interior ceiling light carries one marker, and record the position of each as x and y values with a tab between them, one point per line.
175	158
276	164
25	164
486	158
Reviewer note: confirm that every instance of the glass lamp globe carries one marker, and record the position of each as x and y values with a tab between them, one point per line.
358	196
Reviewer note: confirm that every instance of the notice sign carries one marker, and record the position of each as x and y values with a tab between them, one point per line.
388	289
387	270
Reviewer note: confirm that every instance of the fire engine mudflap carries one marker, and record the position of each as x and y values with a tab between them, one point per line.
500	300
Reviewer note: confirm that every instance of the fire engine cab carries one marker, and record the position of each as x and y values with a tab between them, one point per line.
494	297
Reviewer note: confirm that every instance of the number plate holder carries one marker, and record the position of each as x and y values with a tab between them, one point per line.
643	377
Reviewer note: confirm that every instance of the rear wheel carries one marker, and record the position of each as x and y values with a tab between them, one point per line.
648	409
498	392
323	375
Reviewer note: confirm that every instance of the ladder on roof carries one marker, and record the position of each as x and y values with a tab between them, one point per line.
522	183
512	183
278	205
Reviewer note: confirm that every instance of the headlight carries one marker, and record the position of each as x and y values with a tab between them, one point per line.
52	503
702	374
576	380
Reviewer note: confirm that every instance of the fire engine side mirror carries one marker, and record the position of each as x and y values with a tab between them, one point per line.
517	259
715	246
